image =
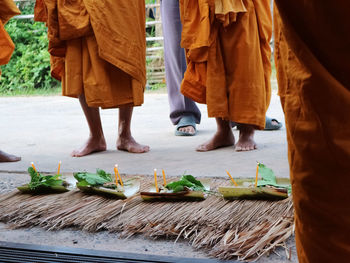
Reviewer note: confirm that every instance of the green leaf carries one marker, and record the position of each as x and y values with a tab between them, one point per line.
193	180
90	179
267	175
268	178
104	175
186	181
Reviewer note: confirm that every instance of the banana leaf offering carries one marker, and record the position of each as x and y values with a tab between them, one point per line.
268	187
43	184
101	183
188	188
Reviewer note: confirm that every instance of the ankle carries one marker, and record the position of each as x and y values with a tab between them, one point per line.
124	133
96	136
246	128
224	126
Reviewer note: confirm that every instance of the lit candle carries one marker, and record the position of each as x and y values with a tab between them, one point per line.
120	178
59	167
33	166
233	181
164	180
257	173
116	174
155	180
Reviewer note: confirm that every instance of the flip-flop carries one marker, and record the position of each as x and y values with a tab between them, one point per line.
269	126
186	121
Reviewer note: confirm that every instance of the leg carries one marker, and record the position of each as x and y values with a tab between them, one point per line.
222	138
315	97
5	157
96	141
125	141
175	65
246	138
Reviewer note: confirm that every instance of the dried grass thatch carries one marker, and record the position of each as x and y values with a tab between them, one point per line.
238	229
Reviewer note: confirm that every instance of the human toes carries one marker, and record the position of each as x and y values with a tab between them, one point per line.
190	130
202	148
140	149
145	148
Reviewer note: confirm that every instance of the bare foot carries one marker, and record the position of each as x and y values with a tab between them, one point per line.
246	138
188	129
128	143
5	157
92	145
222	138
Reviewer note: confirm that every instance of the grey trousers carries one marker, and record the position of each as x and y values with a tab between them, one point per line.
175	63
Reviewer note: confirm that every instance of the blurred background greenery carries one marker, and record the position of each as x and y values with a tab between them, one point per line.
28	71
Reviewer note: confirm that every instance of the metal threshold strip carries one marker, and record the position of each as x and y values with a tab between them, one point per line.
27	253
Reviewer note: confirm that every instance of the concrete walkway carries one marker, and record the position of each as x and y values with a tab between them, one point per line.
46	129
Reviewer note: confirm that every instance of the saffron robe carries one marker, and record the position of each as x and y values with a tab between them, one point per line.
312	57
8	9
98	48
228	53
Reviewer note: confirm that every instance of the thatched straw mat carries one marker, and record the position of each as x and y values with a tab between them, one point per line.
224	229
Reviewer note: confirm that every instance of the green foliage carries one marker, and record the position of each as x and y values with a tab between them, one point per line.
29	67
151	2
156	87
186	181
89	179
38	180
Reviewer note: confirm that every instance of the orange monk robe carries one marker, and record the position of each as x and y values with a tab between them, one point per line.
8	9
228	53
312	58
97	49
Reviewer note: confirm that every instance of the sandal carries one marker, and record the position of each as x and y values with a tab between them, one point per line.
270	126
186	121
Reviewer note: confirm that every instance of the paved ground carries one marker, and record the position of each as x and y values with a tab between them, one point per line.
46	129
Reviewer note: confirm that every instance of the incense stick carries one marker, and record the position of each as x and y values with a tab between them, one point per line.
116	175
257	173
233	181
120	178
155	180
164	180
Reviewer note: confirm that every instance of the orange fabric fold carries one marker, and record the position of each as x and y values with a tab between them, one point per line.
57	46
73	19
8	9
226	10
97	49
40	11
312	58
228	54
6	45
